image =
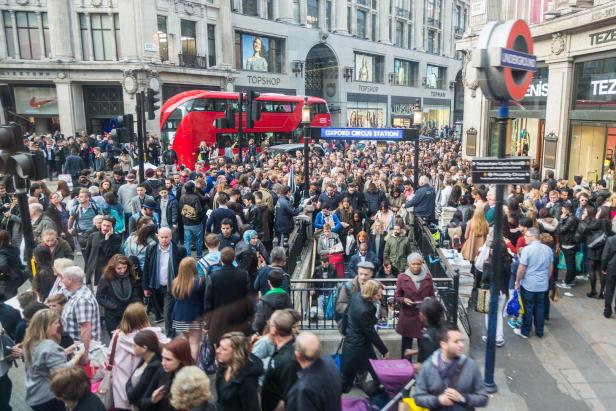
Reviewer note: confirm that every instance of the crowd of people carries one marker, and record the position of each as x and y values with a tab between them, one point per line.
184	273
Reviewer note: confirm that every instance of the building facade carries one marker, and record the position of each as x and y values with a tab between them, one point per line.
74	65
567	120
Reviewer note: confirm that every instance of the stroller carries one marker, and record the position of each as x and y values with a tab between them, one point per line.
394	379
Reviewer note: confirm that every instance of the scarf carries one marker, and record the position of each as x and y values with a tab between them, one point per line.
122	288
447	370
417	279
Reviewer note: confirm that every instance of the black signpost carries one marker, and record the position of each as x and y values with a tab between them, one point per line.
493	170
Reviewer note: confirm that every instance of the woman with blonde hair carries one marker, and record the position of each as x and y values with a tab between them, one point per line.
475	235
188	291
190	391
134	320
237	378
43	354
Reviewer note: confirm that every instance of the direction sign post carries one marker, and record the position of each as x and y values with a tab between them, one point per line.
505	63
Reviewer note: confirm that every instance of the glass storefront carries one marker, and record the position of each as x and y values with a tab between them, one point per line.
591	151
524	137
437	112
366	110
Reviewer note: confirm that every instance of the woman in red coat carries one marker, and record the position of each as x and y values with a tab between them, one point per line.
413	286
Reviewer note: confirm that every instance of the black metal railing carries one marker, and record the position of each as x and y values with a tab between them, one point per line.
297	242
192	61
315	300
438	266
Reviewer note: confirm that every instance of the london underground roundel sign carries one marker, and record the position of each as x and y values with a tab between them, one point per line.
504	59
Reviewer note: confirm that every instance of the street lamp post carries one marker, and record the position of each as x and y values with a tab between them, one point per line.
306	124
417	121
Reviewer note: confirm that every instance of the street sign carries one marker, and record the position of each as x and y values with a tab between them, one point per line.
492	170
504	60
376	134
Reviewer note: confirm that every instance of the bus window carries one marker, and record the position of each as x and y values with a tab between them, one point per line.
277	107
319	108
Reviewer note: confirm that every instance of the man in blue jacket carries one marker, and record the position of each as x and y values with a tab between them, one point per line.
326	216
283	216
424	201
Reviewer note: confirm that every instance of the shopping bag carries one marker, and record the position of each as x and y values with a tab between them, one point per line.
483	301
562	264
579	261
513	306
337	357
410	405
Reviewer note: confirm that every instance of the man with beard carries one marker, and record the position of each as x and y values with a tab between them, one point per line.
449	380
100	247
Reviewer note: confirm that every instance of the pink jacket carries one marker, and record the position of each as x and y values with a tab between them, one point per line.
125	362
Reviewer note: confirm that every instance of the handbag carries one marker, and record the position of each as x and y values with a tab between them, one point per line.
207	357
336	357
105	389
483	301
598	241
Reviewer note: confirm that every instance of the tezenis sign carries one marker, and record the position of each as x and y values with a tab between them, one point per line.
602	37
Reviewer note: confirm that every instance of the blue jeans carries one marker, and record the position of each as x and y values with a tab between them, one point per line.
195	231
534	311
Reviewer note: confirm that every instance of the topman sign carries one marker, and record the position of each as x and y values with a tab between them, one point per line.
505	60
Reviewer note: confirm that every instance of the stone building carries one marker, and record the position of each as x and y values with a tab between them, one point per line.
566	121
75	64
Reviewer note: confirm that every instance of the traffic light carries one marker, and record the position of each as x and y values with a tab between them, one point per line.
15	159
151	100
125	131
253	111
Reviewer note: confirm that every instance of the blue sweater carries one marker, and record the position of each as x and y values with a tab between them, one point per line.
319	221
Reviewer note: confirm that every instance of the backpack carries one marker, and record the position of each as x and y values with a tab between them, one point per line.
119	226
332	302
205	268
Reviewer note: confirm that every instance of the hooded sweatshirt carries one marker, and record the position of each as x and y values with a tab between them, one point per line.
274	299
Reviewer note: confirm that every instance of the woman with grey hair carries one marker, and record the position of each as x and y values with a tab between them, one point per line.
413	286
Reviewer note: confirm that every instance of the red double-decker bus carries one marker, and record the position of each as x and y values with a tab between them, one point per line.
188	118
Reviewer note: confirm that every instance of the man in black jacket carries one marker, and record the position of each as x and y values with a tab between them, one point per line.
310	392
275	299
162	261
608	267
219	214
356	197
228	303
227	237
253	216
73	165
283	217
170	159
192	212
100	247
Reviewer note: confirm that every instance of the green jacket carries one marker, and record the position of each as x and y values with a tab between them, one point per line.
397	249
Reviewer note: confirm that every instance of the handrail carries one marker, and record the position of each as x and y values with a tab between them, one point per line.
399	396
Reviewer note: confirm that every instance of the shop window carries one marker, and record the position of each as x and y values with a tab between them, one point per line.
586	151
254	52
189	37
437	115
369	68
435	77
361	24
163	44
366	114
312	20
211	45
8	34
405	72
595	85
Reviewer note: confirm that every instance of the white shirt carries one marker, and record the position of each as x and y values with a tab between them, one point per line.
163	265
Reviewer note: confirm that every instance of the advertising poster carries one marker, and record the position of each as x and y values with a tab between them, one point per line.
364	67
432	76
36	100
255	52
362	115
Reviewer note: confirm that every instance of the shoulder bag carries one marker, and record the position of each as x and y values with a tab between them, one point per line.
105	389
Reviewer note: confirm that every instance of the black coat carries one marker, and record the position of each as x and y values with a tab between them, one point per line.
591	230
283	216
114	307
171	212
566	230
310	393
149	280
11	272
608	256
241	393
266	306
360	335
160	378
135	393
73	165
228	303
98	252
89	403
372	247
